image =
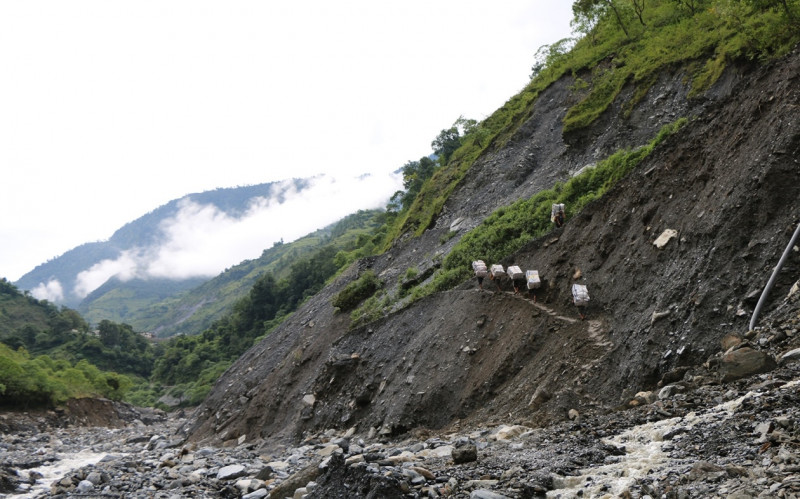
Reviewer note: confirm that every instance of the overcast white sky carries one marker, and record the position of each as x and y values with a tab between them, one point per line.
109	109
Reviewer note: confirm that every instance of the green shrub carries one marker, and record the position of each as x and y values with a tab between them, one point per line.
411	273
357	291
446	237
42	381
372	310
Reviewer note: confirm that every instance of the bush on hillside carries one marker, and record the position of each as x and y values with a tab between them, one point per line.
357	291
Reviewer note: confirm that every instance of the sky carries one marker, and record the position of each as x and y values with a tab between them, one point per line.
110	109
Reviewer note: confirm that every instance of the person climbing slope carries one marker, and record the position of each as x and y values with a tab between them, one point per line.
557	215
517	277
533	282
580	297
495	273
480	271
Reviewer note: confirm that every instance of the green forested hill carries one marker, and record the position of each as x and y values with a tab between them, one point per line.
194	311
24	316
49	354
126	301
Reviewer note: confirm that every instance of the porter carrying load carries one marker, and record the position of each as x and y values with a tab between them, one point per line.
515	273
480	268
497	270
532	276
557	215
517	276
480	271
580	297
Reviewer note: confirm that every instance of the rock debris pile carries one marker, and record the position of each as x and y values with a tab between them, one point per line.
695	437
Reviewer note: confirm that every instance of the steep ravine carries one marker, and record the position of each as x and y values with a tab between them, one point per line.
728	183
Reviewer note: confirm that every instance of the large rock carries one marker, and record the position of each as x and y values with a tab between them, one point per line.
745	362
465	453
790	356
231	472
506	432
294	482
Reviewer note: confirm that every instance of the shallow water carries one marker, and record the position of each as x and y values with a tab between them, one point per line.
645	454
55	471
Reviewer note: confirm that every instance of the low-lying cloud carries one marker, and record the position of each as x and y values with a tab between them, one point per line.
50	291
202	240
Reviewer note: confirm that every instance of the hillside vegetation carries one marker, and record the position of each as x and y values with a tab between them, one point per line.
196	310
619	42
48	355
46	343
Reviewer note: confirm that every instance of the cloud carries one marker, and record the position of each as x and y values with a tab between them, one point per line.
125	267
202	240
51	291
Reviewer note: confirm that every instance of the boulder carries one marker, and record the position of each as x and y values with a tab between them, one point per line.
295	481
790	356
506	432
230	472
465	453
729	341
744	362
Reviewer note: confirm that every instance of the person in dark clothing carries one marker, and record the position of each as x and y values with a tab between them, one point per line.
496	281
480	271
560	218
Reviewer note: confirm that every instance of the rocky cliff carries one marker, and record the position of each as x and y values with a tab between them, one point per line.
728	184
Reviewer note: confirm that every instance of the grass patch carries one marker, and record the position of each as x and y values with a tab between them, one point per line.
357	291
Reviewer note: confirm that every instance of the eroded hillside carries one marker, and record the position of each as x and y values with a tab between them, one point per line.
728	182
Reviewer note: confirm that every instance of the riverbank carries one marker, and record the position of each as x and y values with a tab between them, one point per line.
738	439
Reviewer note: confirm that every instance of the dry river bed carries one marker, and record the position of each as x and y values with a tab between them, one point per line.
737	440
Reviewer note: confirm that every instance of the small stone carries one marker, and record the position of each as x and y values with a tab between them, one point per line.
84	486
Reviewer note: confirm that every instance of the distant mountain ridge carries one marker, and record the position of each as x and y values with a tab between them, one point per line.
60	276
194	310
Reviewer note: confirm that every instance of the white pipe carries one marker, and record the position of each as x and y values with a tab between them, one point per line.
772	278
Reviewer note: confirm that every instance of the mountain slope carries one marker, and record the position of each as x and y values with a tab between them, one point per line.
728	182
140	237
195	310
